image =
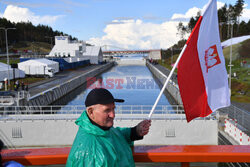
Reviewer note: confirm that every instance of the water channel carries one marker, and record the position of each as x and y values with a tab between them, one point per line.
133	83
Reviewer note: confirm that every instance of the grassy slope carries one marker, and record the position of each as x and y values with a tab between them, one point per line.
33	46
240	83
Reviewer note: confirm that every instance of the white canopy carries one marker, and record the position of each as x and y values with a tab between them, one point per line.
4	72
38	63
94	53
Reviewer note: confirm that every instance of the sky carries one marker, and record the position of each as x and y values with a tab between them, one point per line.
125	24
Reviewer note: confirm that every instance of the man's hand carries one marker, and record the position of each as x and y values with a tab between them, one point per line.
143	127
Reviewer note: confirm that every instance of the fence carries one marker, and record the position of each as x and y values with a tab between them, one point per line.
242	117
162	112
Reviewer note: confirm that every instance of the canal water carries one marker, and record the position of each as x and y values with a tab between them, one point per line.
133	83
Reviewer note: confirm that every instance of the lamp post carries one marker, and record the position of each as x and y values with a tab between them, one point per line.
7	51
230	60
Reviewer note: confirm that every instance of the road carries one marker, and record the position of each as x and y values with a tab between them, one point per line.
59	78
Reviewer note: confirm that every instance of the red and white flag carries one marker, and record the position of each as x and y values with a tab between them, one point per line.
202	76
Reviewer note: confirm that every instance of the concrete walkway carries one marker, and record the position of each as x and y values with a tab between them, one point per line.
166	71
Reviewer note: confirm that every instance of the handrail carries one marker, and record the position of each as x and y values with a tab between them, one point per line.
174	153
20	113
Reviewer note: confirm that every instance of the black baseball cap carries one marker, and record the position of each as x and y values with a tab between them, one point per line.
100	96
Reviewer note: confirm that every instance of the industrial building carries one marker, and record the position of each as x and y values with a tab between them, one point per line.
75	51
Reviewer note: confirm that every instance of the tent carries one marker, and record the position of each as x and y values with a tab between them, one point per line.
4	72
94	54
37	66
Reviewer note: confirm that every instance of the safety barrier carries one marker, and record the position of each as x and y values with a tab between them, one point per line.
174	153
72	112
236	132
172	87
238	114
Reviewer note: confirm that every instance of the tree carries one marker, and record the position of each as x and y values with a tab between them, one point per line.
238	8
26	31
181	30
223	20
191	24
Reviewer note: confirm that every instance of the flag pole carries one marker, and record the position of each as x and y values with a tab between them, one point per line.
168	78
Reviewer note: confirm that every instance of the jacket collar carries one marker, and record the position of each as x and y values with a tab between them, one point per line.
84	123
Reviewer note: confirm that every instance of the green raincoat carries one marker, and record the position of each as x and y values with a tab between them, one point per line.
96	147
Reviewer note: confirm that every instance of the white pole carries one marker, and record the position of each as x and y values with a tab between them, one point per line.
8	60
7	50
168	78
230	60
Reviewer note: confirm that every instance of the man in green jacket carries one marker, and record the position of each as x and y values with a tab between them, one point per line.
97	142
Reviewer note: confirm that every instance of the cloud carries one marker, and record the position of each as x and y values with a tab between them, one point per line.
137	34
193	12
18	14
72	3
190	13
245	14
29	5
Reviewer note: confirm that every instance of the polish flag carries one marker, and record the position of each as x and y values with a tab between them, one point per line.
202	76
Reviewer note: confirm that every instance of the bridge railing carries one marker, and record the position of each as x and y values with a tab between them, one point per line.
185	154
19	113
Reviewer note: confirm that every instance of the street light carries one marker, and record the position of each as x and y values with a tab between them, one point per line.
7	51
230	61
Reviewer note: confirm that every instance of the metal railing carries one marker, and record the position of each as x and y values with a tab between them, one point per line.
72	112
242	117
184	154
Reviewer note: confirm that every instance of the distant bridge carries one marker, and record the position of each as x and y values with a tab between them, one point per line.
126	52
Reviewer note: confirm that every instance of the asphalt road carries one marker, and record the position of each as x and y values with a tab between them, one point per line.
59	78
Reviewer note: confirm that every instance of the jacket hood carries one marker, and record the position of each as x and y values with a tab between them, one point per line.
84	123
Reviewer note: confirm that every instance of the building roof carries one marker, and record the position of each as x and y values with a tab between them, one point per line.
39	61
92	51
4	67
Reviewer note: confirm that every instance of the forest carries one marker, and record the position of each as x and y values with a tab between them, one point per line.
26	31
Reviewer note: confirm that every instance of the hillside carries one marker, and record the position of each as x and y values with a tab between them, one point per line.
35	47
26	31
241	79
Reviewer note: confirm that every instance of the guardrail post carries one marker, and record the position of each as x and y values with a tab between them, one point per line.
185	164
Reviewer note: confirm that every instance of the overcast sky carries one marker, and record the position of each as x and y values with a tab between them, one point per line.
134	24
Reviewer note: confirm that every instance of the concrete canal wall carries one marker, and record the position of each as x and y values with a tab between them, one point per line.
54	93
172	87
51	133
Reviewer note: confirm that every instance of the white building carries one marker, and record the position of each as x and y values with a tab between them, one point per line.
155	54
65	48
75	51
94	54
